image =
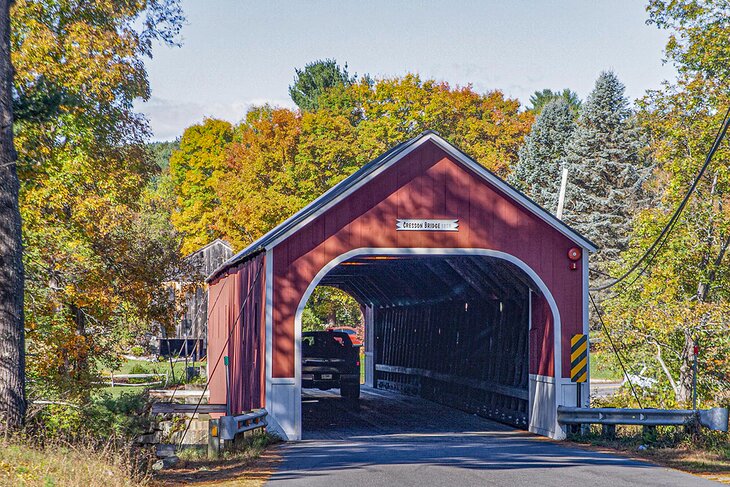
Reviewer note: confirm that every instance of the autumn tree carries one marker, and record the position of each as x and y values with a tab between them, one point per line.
278	160
682	299
487	126
328	306
161	152
541	157
195	168
96	255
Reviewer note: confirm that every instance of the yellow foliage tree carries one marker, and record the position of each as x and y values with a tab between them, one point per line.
278	160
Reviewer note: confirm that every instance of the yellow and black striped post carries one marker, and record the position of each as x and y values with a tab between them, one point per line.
579	365
579	358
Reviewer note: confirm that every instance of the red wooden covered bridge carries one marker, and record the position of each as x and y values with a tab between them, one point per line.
469	293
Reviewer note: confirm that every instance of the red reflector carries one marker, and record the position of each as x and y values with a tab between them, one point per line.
357	363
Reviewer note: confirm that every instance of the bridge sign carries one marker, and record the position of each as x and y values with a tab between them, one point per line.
579	358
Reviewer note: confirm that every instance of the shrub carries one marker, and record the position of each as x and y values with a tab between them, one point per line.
137	351
105	416
123	416
139	369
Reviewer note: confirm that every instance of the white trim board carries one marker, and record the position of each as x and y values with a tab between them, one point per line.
323	203
462	158
557	345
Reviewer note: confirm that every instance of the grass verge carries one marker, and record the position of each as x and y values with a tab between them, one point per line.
146	367
602	368
249	466
23	464
701	452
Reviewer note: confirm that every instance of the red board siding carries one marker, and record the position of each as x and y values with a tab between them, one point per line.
542	355
236	308
427	183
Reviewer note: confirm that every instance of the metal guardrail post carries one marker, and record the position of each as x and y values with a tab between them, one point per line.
715	418
214	439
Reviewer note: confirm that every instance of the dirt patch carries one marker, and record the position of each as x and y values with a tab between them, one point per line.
237	470
706	464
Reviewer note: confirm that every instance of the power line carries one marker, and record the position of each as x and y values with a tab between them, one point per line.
220	356
653	250
615	351
172	397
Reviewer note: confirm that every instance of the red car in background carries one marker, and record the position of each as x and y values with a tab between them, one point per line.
351	332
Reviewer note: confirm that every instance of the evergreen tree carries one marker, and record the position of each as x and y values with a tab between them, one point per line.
540	99
606	169
538	169
316	78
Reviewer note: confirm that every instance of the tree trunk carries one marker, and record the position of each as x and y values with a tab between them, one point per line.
684	385
12	332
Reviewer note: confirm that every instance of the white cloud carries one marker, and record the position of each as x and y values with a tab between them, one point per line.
169	118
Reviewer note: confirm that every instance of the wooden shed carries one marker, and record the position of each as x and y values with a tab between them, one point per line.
471	292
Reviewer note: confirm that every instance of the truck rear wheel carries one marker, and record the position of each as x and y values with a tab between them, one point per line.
350	391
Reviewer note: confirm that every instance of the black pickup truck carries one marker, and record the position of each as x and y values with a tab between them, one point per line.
330	361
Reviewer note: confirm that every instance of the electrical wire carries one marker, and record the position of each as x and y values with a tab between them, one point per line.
220	356
658	242
615	351
210	312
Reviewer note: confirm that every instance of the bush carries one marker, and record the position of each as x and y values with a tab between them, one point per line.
139	369
64	445
137	351
124	416
105	416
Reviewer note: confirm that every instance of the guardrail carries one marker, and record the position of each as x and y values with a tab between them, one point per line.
222	431
714	419
230	426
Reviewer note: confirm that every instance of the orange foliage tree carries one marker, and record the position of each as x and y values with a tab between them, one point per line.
278	160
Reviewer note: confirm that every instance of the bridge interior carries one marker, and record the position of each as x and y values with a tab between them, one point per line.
452	329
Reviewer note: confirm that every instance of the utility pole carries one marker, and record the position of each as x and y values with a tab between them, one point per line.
561	197
696	352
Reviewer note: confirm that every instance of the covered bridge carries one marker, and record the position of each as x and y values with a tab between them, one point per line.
471	292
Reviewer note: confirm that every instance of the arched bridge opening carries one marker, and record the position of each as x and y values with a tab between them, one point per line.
453	329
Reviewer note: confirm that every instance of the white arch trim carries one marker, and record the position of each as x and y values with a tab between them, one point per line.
295	428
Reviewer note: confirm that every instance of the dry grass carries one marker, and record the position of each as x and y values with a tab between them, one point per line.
706	454
250	466
24	465
235	470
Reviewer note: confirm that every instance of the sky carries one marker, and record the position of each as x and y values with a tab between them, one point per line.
238	53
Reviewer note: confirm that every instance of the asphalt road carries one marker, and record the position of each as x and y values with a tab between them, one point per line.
604	388
394	440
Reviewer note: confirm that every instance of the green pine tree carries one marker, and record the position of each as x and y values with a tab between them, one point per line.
316	78
538	169
607	170
540	99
